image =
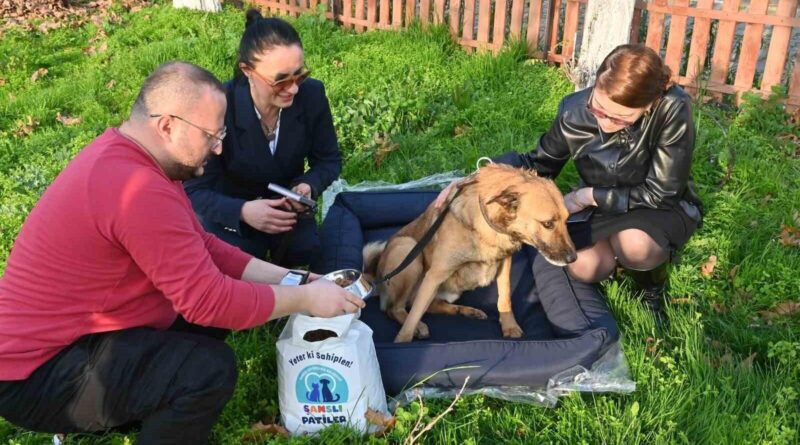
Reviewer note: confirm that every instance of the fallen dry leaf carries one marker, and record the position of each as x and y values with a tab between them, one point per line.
685	300
707	269
460	130
725	360
110	84
96	49
68	120
790	236
734	271
719	308
39	73
380	155
25	127
748	362
652	344
2	82
45	27
385	146
259	430
384	422
794	118
785	308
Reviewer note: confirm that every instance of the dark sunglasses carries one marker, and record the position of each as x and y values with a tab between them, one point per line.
213	139
281	85
600	115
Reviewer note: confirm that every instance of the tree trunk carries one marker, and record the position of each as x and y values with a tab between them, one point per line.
607	24
201	5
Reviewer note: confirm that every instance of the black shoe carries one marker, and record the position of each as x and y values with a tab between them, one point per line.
653	285
653	299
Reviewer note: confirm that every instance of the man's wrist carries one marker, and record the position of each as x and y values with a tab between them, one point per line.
242	210
301	304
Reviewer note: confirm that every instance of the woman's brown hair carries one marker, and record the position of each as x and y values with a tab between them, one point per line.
633	76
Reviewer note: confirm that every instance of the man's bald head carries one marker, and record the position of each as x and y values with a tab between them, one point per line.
172	88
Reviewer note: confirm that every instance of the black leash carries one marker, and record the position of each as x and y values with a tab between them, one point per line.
426	238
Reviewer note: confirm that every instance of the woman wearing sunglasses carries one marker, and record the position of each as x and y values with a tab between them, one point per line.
631	137
277	119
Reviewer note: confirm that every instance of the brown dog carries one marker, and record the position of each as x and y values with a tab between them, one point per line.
499	209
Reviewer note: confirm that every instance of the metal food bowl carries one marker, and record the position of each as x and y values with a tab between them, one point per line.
352	280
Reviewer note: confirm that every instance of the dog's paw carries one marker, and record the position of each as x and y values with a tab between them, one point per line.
402	338
512	331
422	332
471	312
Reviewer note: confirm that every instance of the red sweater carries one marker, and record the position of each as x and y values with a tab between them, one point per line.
113	244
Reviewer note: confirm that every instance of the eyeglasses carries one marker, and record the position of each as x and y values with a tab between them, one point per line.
211	137
600	115
279	86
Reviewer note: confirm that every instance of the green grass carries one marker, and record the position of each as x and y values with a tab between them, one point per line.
444	109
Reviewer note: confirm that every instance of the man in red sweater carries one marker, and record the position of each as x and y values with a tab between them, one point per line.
115	301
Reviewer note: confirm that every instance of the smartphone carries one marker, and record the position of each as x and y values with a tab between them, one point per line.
292	195
581	216
294	278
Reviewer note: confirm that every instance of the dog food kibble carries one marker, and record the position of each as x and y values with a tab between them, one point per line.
318	335
343	282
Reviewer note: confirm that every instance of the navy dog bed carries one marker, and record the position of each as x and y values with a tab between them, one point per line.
565	323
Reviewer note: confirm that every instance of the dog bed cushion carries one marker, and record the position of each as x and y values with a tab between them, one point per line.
565	323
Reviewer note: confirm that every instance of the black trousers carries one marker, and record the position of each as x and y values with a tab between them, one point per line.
298	247
173	383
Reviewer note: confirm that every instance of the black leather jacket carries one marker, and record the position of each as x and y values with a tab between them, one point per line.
646	165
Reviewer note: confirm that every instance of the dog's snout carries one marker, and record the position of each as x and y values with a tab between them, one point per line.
571	257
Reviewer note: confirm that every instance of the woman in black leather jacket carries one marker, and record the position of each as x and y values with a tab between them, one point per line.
631	137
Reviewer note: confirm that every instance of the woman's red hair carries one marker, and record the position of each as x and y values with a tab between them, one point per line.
633	76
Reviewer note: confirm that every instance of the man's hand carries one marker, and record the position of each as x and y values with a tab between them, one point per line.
579	199
326	299
442	198
266	215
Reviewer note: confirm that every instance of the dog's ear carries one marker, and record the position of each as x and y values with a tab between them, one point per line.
506	209
508	199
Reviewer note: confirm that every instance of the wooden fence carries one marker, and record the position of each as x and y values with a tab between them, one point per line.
721	46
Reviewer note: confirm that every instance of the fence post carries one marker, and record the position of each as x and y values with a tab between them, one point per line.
607	24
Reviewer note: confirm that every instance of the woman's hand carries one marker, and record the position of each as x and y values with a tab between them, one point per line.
304	190
266	215
324	298
578	200
440	200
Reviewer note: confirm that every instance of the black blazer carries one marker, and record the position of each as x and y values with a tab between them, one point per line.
646	165
245	167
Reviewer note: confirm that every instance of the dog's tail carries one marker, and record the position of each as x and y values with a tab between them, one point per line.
372	252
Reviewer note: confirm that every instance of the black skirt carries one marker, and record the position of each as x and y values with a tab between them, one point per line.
670	228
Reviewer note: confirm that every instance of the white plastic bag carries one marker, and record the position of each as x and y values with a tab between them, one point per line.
328	382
